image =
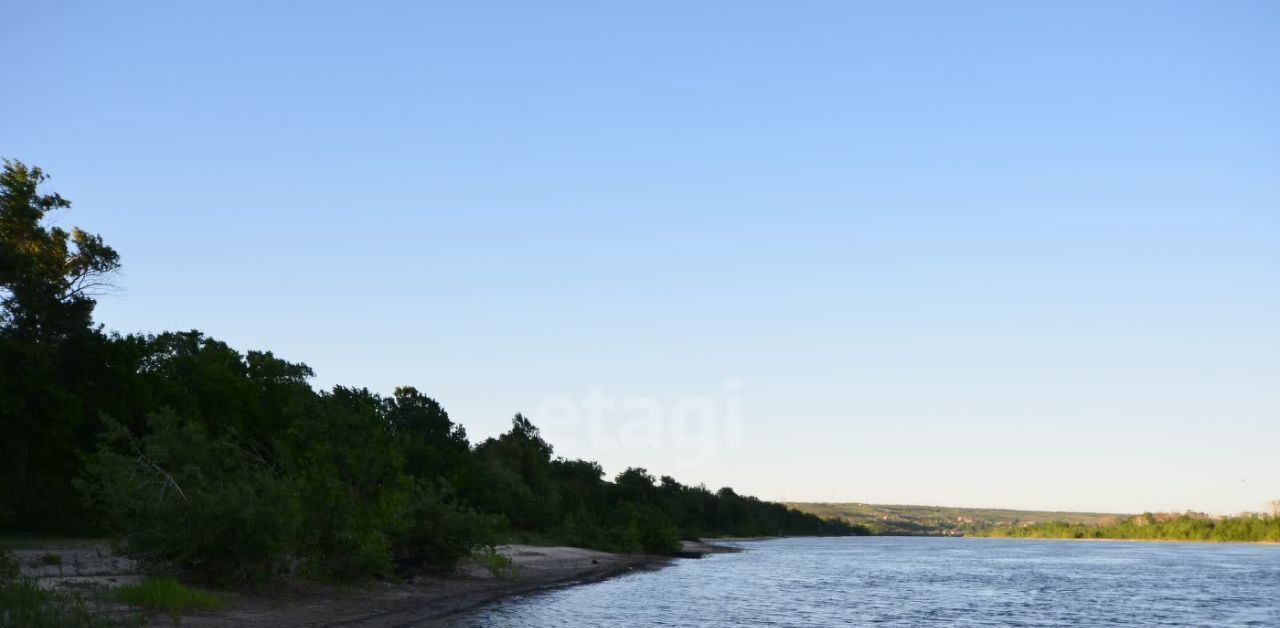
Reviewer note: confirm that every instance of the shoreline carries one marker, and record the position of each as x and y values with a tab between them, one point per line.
426	599
421	600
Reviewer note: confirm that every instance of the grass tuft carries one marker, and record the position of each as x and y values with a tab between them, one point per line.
497	564
23	604
170	596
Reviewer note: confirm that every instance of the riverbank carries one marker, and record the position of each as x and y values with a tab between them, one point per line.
416	601
425	598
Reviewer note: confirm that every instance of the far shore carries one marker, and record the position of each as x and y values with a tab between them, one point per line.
1058	538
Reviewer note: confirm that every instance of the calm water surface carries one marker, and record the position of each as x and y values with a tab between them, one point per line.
897	581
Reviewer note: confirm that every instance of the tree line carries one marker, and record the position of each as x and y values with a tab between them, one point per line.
228	466
1154	527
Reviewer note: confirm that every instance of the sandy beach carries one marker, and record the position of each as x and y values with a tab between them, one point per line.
413	602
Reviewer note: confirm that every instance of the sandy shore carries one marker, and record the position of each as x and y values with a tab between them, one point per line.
420	601
426	598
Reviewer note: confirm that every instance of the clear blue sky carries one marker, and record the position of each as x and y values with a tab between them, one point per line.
964	253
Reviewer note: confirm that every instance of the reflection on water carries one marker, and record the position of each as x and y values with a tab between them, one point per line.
901	581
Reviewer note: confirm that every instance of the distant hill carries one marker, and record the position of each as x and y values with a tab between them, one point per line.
944	520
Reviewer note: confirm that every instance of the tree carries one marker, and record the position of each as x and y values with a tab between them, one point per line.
519	464
48	276
49	350
434	446
229	466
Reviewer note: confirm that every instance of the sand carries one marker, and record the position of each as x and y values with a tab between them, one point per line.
417	602
79	564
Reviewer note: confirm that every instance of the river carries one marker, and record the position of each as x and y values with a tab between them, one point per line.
923	581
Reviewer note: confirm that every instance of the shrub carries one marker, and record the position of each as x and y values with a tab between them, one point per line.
441	532
656	534
354	495
212	507
497	564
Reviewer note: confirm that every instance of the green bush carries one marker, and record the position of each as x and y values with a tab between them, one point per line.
656	534
441	532
211	507
354	494
497	564
638	529
581	529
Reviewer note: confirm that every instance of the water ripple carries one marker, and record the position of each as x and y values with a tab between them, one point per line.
897	581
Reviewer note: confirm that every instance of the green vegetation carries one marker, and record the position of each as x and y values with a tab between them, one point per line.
229	468
490	559
942	520
1153	527
170	597
23	604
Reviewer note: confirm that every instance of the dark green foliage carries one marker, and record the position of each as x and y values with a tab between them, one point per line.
355	496
433	445
647	530
205	379
519	464
202	504
48	350
228	467
440	531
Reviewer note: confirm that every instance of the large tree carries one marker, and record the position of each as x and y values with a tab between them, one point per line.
56	367
48	275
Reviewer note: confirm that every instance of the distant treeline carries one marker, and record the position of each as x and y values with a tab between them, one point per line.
1151	527
909	520
229	466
